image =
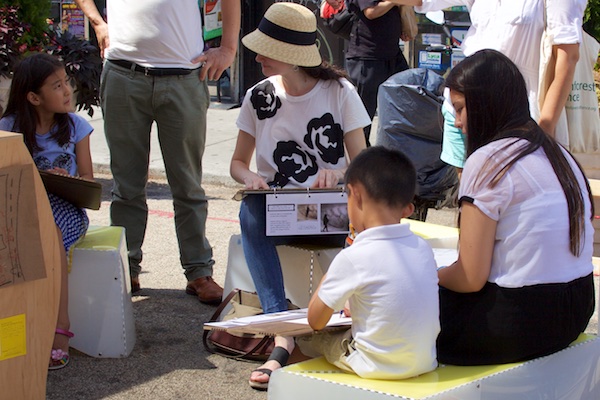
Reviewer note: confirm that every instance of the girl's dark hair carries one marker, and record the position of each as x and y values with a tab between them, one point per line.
498	107
388	176
29	76
326	72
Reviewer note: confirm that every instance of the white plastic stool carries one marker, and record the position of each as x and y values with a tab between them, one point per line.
100	306
302	270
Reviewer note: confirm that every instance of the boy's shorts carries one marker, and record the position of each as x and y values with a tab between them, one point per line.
335	346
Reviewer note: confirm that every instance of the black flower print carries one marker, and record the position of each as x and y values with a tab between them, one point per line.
292	162
264	100
326	137
63	161
42	163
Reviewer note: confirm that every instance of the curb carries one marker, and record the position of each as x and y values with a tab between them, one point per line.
157	173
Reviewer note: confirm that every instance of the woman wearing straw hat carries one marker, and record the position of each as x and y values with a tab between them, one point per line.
302	120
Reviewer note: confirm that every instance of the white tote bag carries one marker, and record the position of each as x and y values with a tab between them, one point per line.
582	105
578	128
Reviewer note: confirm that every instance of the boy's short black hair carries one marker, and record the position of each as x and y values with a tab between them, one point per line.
387	175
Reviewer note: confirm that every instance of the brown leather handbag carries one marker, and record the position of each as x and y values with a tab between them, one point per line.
243	346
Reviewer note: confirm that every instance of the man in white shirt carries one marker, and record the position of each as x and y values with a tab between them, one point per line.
155	71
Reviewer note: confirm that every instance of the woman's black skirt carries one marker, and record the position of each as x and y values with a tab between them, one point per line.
500	325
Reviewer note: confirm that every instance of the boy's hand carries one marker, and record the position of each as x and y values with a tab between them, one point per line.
346	310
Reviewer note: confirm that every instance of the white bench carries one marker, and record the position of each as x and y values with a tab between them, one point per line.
573	373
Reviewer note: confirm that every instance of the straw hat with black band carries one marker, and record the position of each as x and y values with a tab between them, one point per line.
286	33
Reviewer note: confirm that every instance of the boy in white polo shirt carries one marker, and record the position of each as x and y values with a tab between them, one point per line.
388	277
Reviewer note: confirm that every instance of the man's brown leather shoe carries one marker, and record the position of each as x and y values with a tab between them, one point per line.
206	289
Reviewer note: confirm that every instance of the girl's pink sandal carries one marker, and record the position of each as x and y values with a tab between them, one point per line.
58	357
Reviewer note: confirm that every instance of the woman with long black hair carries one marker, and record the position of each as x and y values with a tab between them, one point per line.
522	286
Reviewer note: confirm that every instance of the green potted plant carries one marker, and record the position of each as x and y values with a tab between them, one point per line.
83	63
82	59
12	47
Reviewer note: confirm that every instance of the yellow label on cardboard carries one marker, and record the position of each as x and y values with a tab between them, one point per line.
13	340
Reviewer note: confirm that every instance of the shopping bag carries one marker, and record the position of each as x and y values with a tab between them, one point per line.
410	28
583	120
240	303
578	127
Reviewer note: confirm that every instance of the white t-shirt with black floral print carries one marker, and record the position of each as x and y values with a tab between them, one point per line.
298	135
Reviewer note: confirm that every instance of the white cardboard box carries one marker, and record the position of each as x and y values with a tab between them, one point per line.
300	278
100	306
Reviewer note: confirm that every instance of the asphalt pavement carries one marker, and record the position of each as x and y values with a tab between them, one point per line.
168	360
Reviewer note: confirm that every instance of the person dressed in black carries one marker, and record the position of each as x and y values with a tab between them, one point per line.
373	51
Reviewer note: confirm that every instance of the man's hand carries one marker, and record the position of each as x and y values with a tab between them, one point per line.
100	27
214	62
102	35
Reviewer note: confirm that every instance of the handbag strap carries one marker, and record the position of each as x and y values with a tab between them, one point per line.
223	304
215	317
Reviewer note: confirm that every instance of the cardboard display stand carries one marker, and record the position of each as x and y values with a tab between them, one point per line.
30	273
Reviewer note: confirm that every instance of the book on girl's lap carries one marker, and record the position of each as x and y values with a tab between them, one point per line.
284	323
80	192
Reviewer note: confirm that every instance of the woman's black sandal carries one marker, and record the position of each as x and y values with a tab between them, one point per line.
278	354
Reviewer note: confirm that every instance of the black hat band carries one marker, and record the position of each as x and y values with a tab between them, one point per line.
286	35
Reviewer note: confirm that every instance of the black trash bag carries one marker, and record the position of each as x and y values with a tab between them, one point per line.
411	121
410	103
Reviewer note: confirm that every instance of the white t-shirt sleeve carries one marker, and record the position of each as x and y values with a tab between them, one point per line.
246	120
564	19
354	113
480	169
339	283
82	128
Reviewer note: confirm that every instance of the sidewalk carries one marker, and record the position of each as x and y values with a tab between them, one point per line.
220	142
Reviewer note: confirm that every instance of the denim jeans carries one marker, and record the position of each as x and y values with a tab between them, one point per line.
261	253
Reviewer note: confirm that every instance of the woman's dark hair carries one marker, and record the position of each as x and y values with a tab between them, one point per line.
388	176
29	76
498	107
325	72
